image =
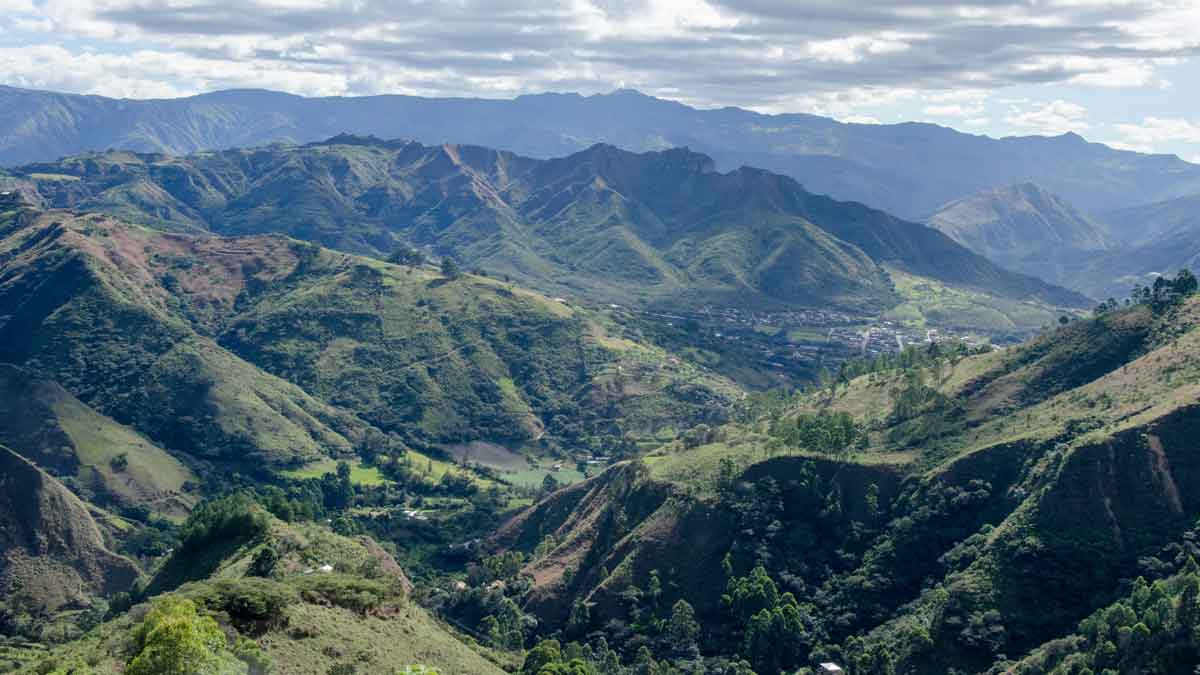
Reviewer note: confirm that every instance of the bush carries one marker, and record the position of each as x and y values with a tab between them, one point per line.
229	519
250	602
175	638
249	653
407	256
353	593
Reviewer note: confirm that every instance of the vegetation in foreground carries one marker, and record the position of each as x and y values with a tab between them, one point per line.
1025	510
930	511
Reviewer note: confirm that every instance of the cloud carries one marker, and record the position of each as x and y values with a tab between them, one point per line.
953	61
953	110
1155	130
1057	117
714	52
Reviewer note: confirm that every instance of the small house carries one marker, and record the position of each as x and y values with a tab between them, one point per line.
831	669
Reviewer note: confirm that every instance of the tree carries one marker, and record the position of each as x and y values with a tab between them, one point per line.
228	519
876	660
654	589
825	432
339	489
776	638
549	484
746	596
545	653
727	473
573	667
580	617
644	663
683	629
1185	283
450	269
248	652
264	562
174	639
406	255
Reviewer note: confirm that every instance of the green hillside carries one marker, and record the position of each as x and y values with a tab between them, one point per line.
49	426
294	615
86	302
658	229
938	513
55	561
275	351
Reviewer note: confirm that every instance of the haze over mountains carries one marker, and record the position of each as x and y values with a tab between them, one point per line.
658	228
1025	228
1156	239
907	169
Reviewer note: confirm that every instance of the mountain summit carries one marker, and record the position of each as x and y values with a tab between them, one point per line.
1024	228
874	164
657	228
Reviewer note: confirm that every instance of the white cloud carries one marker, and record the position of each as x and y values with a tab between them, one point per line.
841	105
742	52
953	61
856	48
1155	130
953	110
1057	117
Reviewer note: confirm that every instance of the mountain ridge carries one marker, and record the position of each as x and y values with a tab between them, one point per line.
867	163
1025	228
603	223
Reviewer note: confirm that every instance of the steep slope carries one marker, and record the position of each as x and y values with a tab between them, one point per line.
1024	228
358	615
861	162
1142	225
1161	238
272	352
52	553
988	506
83	303
47	425
658	228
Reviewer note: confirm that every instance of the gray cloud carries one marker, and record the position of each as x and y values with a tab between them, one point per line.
744	52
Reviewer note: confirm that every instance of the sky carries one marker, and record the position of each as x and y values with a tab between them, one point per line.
1122	72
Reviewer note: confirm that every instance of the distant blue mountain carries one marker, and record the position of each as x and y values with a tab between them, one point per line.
907	169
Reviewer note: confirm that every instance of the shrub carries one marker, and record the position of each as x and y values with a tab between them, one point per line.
175	638
232	518
353	593
252	604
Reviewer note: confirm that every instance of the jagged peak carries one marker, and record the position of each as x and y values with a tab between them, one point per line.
678	156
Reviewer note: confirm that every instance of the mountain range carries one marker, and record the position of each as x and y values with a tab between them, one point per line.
267	353
331	404
993	517
907	169
659	228
1159	238
1025	228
